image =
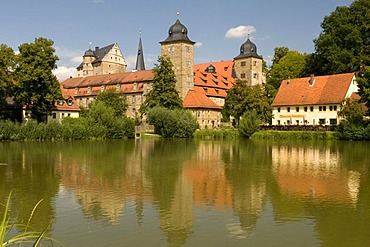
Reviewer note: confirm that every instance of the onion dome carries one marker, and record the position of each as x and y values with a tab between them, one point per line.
248	49
89	53
211	69
177	32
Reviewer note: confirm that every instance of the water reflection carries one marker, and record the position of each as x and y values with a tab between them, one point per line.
189	184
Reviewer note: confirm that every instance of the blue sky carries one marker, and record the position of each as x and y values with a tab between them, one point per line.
218	27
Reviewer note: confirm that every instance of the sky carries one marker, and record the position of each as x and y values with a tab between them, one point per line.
219	28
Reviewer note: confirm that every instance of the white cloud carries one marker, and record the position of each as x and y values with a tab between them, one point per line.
131	62
240	32
198	44
63	72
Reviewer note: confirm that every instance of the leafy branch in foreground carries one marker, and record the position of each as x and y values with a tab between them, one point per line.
29	235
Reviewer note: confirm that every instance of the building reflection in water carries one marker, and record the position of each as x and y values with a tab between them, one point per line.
311	172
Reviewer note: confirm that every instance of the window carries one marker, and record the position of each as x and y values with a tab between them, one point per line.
60	102
255	63
69	114
330	108
63	115
288	109
135	86
311	108
278	122
322	121
320	108
335	108
69	102
118	87
133	98
278	109
297	109
102	88
333	121
324	108
89	89
305	108
297	122
243	63
242	75
54	115
255	76
76	90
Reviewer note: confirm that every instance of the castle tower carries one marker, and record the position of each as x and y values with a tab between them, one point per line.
140	65
180	49
87	67
248	65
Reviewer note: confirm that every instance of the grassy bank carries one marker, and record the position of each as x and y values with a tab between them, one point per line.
216	134
294	135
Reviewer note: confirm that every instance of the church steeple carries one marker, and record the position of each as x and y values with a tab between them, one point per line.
140	65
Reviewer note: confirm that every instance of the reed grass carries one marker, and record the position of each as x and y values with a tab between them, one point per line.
28	235
294	135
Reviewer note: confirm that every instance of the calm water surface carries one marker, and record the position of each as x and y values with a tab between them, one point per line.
191	193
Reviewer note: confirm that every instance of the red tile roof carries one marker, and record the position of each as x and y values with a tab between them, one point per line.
98	80
66	93
194	99
330	89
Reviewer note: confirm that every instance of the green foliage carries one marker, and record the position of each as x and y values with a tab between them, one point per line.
352	131
287	64
364	86
294	135
249	124
115	100
7	65
351	110
344	43
241	98
172	123
216	134
163	92
36	86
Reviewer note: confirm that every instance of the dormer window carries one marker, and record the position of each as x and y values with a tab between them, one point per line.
69	101
102	88
89	89
60	102
135	86
118	87
76	90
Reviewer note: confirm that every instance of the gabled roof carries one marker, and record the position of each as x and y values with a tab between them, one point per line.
67	94
118	78
194	99
330	89
101	52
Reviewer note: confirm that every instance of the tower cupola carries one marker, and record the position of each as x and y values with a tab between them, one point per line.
177	32
248	49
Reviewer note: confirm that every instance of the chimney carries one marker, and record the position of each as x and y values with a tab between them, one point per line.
96	48
312	79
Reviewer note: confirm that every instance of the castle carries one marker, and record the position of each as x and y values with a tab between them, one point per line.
203	87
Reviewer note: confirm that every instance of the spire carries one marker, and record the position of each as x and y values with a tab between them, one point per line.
140	56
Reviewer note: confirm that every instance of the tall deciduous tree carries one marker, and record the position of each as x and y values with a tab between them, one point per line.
36	86
114	99
344	43
7	66
163	92
242	98
287	64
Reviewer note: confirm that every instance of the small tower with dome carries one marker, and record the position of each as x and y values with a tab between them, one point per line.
180	49
248	64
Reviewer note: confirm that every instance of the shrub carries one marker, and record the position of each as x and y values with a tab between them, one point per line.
249	123
172	123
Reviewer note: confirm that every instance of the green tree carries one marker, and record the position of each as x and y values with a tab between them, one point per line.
249	123
163	92
352	111
7	66
36	86
114	99
344	43
289	64
364	85
241	98
177	123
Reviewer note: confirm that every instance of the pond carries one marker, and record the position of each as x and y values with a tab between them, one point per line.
164	192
